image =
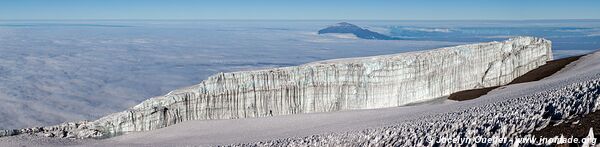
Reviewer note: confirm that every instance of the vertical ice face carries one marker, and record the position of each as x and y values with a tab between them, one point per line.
333	85
342	84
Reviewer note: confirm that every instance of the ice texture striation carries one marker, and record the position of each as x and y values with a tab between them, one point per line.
325	86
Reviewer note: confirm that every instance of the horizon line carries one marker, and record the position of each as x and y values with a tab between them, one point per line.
575	19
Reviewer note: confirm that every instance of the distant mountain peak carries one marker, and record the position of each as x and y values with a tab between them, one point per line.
345	24
348	28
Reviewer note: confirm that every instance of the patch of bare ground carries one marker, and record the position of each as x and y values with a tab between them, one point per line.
576	127
539	73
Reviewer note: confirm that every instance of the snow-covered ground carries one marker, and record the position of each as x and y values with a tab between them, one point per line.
510	111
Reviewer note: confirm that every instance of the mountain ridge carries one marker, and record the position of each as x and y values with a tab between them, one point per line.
348	28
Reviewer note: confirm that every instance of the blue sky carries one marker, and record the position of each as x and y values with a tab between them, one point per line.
300	9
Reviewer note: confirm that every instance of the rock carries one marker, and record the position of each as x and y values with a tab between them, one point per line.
325	86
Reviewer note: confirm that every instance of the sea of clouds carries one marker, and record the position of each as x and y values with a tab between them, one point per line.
51	72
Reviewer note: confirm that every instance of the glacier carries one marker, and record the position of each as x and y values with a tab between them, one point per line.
324	86
510	112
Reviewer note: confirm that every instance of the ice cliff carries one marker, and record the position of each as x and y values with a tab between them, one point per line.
332	85
511	113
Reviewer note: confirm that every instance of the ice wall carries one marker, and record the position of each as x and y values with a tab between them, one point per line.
332	85
510	113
